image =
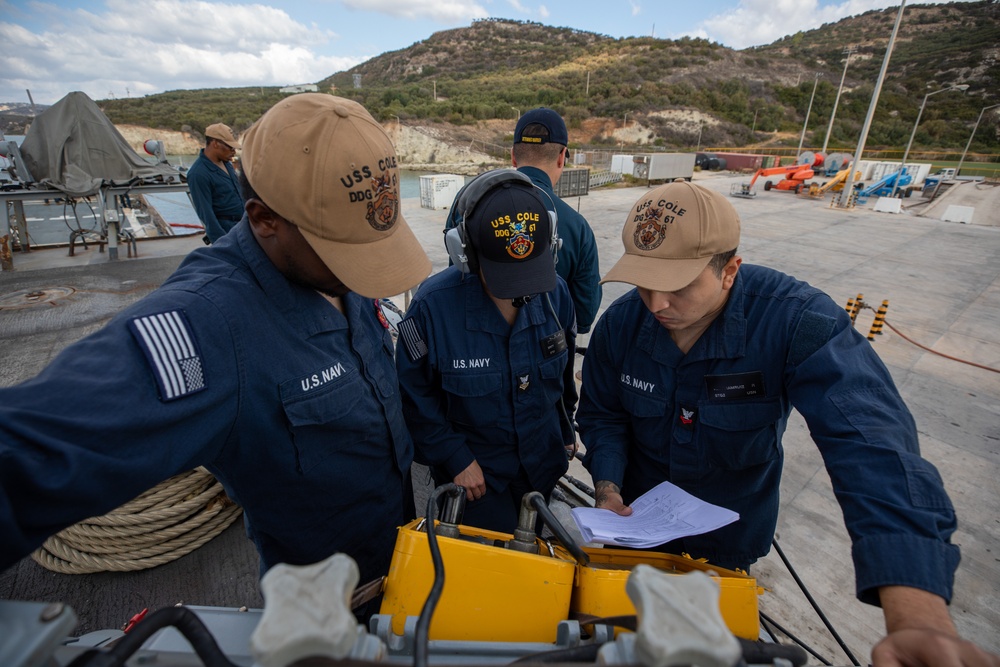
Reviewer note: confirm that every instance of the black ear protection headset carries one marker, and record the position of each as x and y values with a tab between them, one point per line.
456	238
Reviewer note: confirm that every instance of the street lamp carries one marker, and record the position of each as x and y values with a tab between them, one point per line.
754	128
517	111
848	50
809	111
625	120
975	127
902	165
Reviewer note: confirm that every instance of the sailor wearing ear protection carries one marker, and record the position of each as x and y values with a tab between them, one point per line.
484	363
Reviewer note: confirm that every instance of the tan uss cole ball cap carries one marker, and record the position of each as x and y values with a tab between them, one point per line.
223	133
324	164
671	234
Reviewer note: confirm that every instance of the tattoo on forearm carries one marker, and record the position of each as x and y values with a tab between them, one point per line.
602	490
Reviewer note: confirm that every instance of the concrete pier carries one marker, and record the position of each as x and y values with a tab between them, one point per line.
943	283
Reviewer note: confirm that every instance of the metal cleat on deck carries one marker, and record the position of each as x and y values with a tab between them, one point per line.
308	613
679	623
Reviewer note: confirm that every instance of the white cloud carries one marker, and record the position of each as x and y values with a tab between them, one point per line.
755	22
443	11
542	11
189	44
636	8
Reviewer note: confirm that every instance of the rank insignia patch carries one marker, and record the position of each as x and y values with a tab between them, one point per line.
172	353
687	417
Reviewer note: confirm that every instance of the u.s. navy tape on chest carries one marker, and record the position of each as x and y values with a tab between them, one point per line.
171	352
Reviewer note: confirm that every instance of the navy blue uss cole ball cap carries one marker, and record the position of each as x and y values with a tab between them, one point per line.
511	233
554	132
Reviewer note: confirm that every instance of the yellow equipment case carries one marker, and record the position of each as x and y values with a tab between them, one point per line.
599	589
490	594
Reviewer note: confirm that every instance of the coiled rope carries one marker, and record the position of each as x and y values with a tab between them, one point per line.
166	522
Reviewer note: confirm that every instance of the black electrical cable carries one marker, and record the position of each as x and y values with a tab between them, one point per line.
537	501
815	606
583	486
420	649
182	618
795	639
765	652
583	653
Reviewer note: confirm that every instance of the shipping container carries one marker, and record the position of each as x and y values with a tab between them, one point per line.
439	190
663	166
742	161
573	183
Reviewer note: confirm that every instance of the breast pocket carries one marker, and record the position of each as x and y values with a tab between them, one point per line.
550	372
326	420
472	399
740	435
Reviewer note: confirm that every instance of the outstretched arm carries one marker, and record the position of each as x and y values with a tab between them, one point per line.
919	631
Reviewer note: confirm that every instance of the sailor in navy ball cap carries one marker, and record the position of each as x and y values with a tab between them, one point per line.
484	361
511	233
553	124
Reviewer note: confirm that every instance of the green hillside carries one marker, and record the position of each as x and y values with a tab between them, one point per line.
496	68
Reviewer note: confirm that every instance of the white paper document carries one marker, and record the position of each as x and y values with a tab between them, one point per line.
664	513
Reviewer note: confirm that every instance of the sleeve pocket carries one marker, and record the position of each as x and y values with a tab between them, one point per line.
924	483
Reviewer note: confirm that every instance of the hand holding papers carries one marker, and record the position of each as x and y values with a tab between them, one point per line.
664	513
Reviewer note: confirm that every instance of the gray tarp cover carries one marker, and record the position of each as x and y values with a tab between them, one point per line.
74	148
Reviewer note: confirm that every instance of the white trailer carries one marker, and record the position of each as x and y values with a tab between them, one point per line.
663	166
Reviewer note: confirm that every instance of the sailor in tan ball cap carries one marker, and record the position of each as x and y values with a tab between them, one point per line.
265	357
690	378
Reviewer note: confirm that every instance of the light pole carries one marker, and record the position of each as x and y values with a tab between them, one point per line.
902	165
808	111
754	128
975	127
517	111
848	50
625	120
845	200
701	126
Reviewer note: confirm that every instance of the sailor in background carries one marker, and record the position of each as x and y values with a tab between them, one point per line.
691	377
540	152
262	358
484	354
214	184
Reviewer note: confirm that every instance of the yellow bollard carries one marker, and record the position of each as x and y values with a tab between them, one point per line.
850	309
859	301
876	329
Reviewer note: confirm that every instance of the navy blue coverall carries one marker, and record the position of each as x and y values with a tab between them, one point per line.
578	262
291	404
216	196
711	422
477	389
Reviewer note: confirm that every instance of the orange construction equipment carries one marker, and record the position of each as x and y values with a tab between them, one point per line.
794	177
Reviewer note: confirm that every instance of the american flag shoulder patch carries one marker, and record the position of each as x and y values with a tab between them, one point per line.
413	339
172	352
